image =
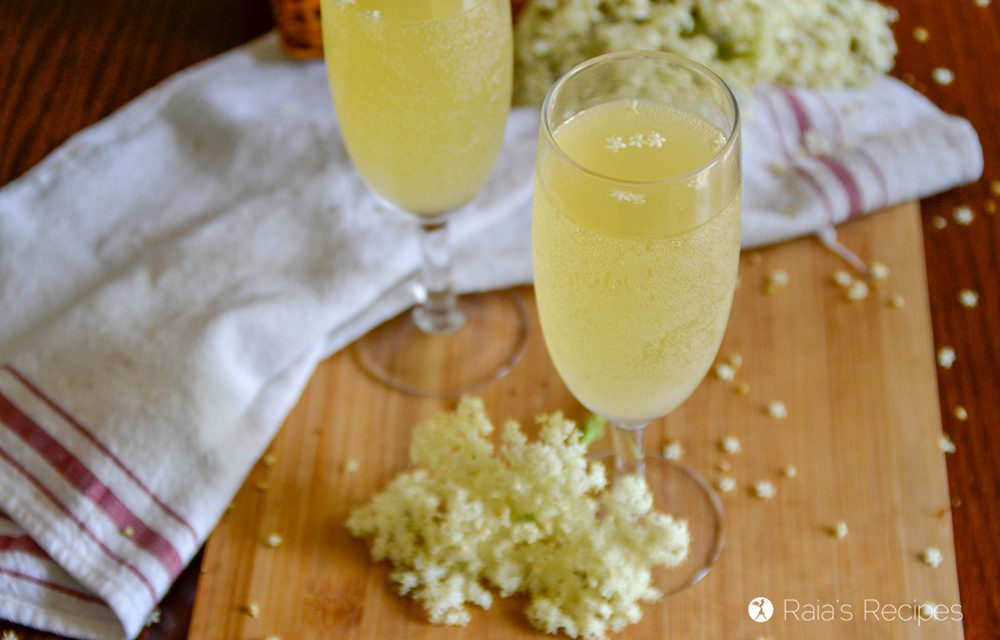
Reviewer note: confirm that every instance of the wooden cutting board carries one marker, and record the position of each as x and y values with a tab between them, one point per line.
858	380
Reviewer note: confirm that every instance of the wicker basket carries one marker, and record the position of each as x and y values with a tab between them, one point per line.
299	26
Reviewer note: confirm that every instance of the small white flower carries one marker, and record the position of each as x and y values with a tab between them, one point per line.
776	280
842	279
9	635
839	530
921	34
776	410
928	611
656	140
730	444
252	609
963	215
725	484
638	141
939	222
615	144
632	105
742	388
789	471
724	372
943	76
857	291
879	271
945	444
273	540
946	357
673	450
373	14
735	361
724	466
269	460
344	3
961	413
154	617
932	557
982	3
968	298
897	302
351	465
764	489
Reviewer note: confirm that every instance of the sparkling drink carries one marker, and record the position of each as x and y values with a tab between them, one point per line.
422	92
634	276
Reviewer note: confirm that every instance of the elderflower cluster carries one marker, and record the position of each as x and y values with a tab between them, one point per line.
797	42
519	518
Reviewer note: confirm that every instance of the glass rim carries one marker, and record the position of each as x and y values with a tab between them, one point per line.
713	77
465	9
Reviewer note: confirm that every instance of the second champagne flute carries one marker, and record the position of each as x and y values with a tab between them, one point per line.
636	241
422	91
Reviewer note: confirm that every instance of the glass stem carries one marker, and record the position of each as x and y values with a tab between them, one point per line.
628	449
438	312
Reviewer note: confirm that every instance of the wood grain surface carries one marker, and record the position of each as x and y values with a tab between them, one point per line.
66	65
862	429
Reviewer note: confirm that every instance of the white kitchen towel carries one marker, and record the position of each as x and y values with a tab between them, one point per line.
170	277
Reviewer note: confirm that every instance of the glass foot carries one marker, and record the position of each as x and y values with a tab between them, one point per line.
684	493
446	365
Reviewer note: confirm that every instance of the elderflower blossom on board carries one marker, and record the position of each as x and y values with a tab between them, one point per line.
521	517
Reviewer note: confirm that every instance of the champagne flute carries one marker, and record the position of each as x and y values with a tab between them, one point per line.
422	90
635	240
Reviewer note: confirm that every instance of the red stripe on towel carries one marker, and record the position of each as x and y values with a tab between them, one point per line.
86	597
23	544
80	525
847	182
879	176
802	118
83	479
86	433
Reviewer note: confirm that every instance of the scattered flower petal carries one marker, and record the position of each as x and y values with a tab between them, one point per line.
945	444
857	291
725	484
946	357
724	372
963	215
838	530
943	76
932	557
842	279
673	450
968	298
776	410
764	489
730	445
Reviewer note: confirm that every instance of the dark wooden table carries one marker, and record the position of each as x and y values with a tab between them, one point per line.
65	65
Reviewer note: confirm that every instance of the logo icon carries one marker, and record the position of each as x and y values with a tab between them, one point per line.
760	609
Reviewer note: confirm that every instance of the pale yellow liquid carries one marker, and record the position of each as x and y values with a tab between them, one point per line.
634	281
422	91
